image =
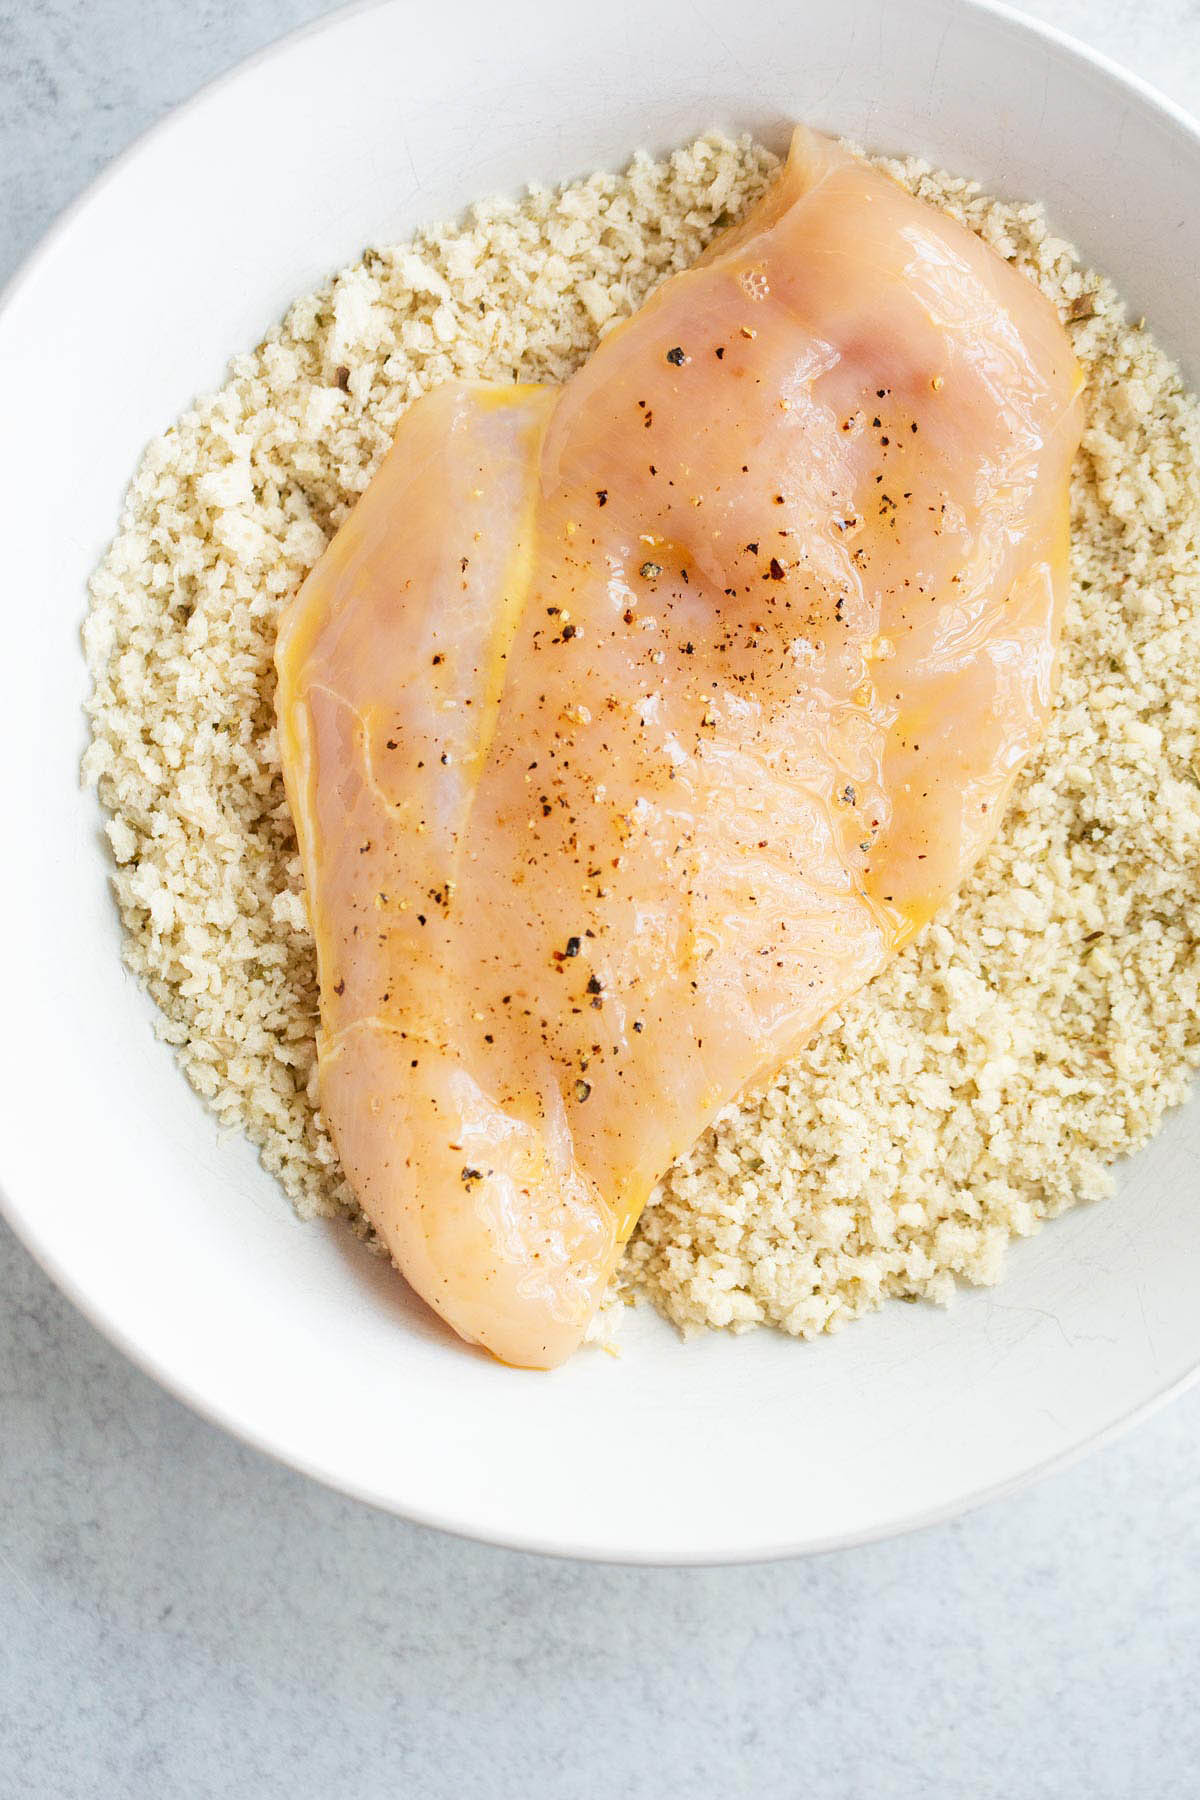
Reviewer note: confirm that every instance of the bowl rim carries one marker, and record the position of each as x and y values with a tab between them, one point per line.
459	1522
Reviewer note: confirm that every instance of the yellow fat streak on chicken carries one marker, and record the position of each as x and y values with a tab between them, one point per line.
630	726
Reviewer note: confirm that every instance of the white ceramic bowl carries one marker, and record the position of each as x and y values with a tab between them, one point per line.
180	1248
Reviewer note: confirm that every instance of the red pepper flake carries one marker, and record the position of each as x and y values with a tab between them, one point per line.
601	496
678	356
776	569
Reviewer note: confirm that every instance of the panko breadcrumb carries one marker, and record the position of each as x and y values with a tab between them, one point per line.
1035	1032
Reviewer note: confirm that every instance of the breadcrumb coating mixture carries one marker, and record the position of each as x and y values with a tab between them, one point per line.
989	1078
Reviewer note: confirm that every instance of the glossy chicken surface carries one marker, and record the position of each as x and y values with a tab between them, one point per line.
630	726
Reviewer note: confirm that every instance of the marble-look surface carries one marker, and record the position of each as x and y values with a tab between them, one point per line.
180	1618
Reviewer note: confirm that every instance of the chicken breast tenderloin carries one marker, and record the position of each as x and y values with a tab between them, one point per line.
630	726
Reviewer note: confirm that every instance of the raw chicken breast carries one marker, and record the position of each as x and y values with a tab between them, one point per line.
630	726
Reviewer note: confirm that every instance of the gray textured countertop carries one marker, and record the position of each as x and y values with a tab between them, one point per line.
180	1617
